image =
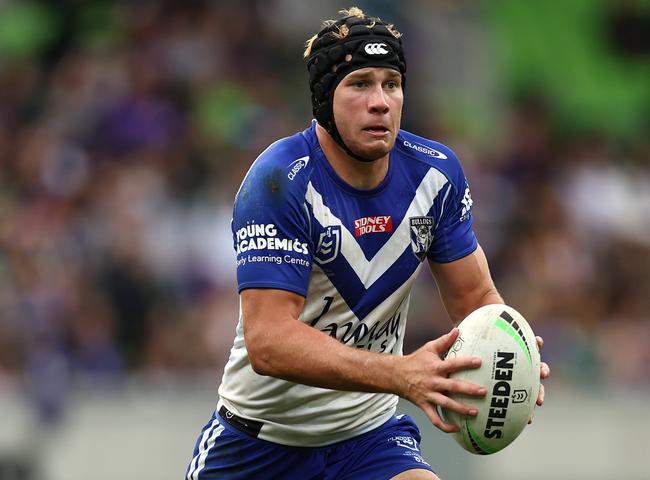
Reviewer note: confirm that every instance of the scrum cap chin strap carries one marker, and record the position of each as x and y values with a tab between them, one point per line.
369	43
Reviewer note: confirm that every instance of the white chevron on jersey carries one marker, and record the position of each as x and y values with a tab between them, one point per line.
369	271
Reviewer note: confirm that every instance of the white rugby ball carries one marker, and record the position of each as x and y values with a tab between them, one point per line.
502	338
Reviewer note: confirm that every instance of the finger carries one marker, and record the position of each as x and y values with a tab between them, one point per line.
541	395
453	405
441	344
452	385
540	341
434	417
544	370
455	364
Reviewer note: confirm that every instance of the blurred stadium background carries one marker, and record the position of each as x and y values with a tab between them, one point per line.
126	128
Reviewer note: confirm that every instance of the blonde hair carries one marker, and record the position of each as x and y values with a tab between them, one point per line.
344	30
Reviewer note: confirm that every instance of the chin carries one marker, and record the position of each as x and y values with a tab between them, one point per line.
376	151
373	150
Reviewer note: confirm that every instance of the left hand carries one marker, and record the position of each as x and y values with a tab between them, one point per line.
544	372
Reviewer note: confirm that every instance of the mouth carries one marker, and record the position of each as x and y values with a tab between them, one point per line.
376	130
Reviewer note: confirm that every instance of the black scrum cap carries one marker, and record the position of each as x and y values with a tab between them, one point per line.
369	43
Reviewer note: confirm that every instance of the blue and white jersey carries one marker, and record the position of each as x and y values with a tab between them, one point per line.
354	255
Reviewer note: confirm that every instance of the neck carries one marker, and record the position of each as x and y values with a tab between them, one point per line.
358	174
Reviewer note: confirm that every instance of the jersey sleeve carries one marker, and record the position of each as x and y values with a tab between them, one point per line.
271	232
454	237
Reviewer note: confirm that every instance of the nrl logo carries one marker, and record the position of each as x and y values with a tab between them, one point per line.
519	396
329	245
421	235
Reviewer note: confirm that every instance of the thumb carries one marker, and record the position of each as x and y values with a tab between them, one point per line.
443	343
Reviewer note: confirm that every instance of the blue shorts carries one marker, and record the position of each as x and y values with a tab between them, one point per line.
226	451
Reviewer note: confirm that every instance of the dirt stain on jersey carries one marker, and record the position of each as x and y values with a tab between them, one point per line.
275	181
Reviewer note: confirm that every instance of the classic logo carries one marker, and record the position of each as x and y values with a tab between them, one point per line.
421	235
377	224
296	166
376	49
405	442
329	244
432	152
467	205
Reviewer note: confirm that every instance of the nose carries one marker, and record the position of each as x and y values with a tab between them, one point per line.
377	100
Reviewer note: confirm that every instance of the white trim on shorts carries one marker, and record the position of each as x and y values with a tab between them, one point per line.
198	462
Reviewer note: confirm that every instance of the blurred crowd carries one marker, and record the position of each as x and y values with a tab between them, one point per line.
126	128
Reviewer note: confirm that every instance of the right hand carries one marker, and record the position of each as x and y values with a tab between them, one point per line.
425	381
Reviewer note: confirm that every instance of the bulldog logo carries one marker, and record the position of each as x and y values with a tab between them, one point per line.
421	235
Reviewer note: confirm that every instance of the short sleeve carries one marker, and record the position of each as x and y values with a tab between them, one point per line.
271	232
454	237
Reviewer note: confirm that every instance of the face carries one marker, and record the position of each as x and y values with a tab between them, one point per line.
368	110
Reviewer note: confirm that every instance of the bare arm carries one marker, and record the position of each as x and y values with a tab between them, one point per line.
465	284
281	346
